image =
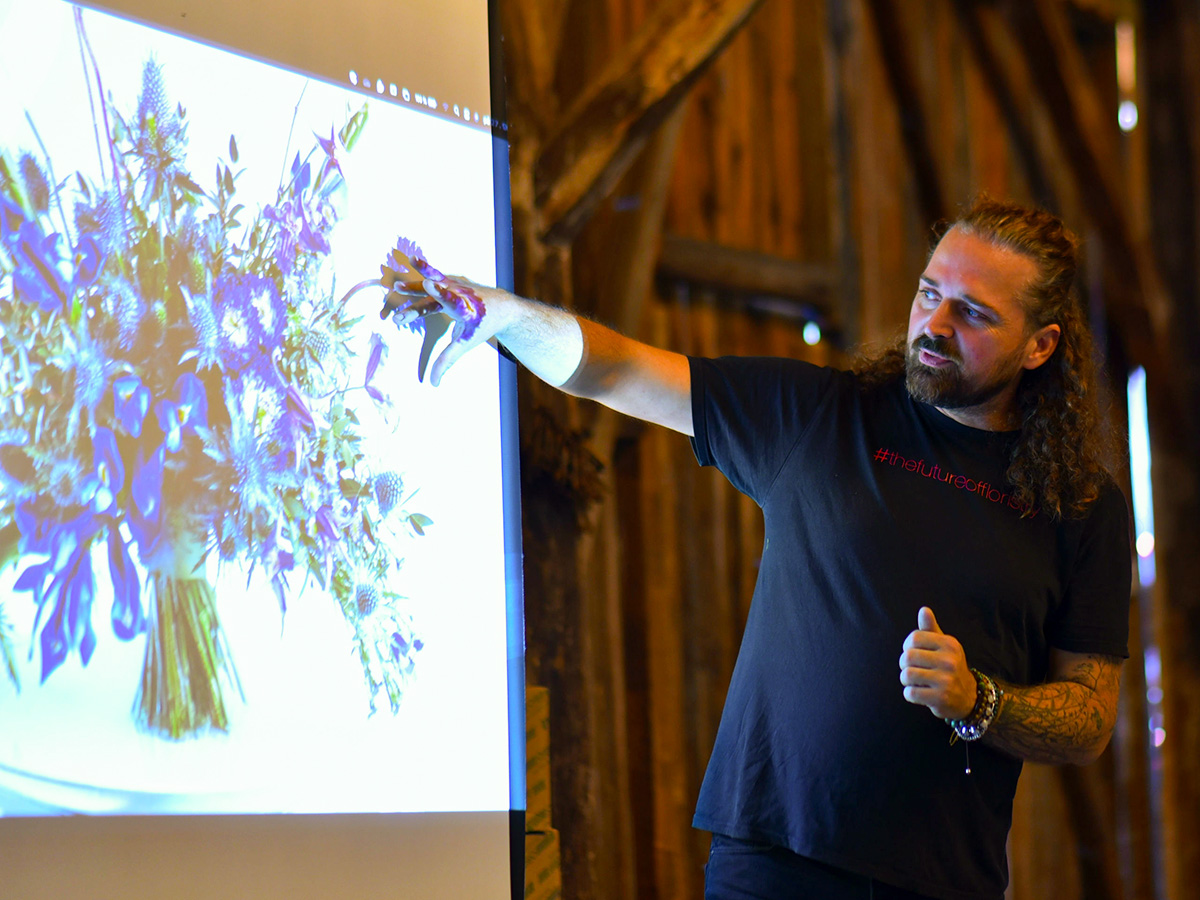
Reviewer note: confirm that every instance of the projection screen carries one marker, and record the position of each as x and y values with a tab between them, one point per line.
260	614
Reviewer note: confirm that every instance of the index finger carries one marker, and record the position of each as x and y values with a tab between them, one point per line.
924	640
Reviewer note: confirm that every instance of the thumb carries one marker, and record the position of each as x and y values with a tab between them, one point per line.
926	621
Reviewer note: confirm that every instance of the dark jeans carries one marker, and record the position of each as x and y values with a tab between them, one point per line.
747	870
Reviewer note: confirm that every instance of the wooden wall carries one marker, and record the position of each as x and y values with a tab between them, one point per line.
796	178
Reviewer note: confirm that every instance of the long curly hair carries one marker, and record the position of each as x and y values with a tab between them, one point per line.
1060	461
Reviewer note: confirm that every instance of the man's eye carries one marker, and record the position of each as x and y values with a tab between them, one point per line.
972	313
928	294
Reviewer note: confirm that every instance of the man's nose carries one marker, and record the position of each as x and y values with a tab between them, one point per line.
939	323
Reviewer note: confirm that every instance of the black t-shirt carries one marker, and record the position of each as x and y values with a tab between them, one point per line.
876	505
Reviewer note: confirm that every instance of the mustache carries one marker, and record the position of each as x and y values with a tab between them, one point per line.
940	346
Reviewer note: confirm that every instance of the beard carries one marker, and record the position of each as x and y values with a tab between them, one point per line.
947	387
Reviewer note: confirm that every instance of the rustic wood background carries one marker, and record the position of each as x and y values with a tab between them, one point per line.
709	175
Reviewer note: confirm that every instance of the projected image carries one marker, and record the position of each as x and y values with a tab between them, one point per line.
231	520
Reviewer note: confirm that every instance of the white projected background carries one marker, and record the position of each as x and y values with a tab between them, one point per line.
304	738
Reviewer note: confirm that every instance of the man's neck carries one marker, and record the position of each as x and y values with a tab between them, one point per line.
990	416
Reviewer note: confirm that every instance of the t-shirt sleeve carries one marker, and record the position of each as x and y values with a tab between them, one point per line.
1094	617
749	412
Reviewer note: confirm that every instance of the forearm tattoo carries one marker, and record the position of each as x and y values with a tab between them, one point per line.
1068	720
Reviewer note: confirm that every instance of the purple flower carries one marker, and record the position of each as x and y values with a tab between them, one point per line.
128	620
69	593
302	228
329	147
378	352
131	400
106	481
292	427
297	409
36	275
399	272
403	649
406	272
277	561
184	415
463	305
426	271
88	260
145	515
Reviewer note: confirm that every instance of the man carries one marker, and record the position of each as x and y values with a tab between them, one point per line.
954	483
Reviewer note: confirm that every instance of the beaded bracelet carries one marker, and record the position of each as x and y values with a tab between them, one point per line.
987	701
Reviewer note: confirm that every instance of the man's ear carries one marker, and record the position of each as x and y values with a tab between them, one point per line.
1041	345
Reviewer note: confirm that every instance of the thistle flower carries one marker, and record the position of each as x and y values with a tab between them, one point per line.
92	365
152	102
249	314
387	487
208	334
366	598
128	310
64	481
104	220
155	114
159	136
37	189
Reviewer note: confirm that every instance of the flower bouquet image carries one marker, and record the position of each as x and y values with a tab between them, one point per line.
179	396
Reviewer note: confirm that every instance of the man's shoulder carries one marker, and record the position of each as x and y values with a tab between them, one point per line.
783	368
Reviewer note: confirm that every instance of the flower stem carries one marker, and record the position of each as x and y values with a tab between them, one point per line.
370	282
187	658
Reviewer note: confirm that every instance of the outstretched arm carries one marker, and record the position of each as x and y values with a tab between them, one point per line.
1067	719
577	355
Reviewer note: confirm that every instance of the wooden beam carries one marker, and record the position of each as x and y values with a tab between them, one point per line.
915	127
1084	127
729	270
634	254
601	133
986	39
1108	10
529	59
840	87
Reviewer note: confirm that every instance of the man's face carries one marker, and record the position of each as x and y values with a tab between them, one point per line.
968	335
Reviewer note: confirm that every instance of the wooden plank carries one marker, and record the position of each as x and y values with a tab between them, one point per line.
672	804
842	98
819	181
989	163
915	122
692	194
991	51
1171	105
739	197
881	204
601	133
745	272
774	32
635	557
529	60
632	251
1134	816
615	851
1085	129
